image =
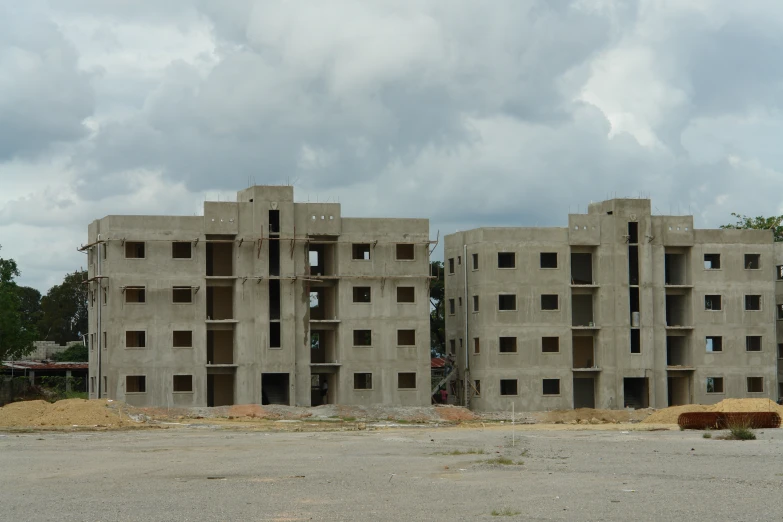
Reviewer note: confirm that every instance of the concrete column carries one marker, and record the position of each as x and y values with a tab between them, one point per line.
31	376
67	380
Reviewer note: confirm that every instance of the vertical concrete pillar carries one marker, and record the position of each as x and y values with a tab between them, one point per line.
31	376
67	380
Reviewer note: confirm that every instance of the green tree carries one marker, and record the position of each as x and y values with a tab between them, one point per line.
64	310
437	312
759	223
76	352
16	338
30	306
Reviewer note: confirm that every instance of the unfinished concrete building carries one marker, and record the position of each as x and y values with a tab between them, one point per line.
261	300
620	309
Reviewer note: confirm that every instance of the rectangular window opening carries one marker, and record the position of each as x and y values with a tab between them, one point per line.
452	308
135	294
548	259
712	302
274	221
551	386
752	261
633	232
779	272
360	252
550	344
507	344
274	335
475	303
633	265
406	380
508	386
362	337
451	265
711	261
452	347
406	337
755	384
134	250
183	339
135	339
182	294
181	250
507	302
752	303
362	381
406	294
135	384
476	346
405	252
507	260
183	383
714	384
477	387
714	343
780	351
753	343
675	269
549	302
361	294
636	341
475	261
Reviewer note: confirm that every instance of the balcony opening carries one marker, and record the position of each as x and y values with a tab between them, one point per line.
274	257
677	353
633	232
584	351
582	310
360	251
321	259
274	222
220	259
220	303
275	335
581	269
322	303
405	252
677	310
584	392
675	269
711	261
220	347
633	265
220	389
322	388
636	341
274	299
275	388
679	390
322	347
635	393
633	301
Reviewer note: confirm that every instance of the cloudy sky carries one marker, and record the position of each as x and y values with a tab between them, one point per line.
469	113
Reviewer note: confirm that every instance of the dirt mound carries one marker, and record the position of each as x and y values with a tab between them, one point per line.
65	413
454	413
591	416
671	414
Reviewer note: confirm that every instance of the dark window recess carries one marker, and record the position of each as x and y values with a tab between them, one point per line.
274	221
633	265
581	269
507	302
714	384
550	344
360	251
507	260
181	250
274	299
362	337
451	307
549	302
778	271
452	346
451	265
274	335
753	343
508	344
780	351
551	386
752	261
183	383
548	259
135	294
274	257
135	339
406	294
633	298
405	252
477	387
134	250
182	294
183	339
508	386
714	343
633	232
712	261
475	303
362	381
406	381
636	341
406	337
361	294
476	262
755	384
476	345
712	302
135	384
753	302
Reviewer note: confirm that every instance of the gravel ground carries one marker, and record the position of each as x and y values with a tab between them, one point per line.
394	474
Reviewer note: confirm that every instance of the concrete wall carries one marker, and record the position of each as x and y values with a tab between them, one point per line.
243	287
603	233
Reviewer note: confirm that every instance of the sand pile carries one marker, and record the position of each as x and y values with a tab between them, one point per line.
670	415
65	413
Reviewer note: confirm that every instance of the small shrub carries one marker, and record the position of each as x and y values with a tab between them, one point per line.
707	435
504	461
505	512
740	429
462	452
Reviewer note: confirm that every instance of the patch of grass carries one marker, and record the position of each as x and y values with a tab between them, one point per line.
504	461
707	435
740	430
505	512
471	451
349	419
76	395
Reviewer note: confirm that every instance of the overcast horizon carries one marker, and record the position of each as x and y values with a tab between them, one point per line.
506	113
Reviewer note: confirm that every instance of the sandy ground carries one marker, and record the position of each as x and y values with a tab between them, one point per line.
207	473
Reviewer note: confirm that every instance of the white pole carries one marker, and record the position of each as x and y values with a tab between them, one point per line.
513	429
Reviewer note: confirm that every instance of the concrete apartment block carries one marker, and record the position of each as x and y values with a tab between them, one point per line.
262	300
619	309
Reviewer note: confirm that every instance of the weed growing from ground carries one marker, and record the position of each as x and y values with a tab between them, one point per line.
505	512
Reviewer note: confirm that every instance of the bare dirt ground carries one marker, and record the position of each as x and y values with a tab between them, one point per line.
205	472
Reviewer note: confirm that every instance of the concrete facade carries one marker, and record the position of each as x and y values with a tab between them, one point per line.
259	300
613	311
